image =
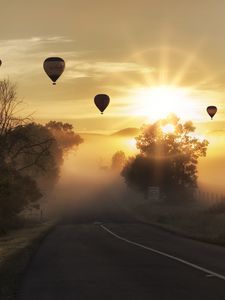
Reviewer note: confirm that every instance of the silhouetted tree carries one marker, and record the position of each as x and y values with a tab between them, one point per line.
16	192
32	150
9	103
64	134
118	160
30	154
168	158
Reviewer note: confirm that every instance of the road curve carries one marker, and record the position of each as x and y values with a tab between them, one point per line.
82	260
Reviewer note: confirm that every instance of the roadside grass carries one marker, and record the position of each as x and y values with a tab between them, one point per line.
16	248
205	222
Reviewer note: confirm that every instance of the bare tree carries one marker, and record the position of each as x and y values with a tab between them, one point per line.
21	144
9	103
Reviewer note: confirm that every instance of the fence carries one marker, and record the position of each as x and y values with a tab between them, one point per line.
207	196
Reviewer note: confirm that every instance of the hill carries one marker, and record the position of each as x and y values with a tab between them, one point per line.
127	132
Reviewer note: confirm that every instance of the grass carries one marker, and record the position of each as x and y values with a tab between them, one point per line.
198	221
16	249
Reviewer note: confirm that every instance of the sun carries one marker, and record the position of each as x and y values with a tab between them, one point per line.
159	101
132	143
169	128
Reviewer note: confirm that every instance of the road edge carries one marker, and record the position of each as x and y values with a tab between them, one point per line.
13	269
181	233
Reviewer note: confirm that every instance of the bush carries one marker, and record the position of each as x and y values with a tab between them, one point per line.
16	192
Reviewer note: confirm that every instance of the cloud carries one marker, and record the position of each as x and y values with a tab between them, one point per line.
25	56
82	68
14	47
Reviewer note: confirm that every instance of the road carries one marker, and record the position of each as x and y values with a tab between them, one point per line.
113	256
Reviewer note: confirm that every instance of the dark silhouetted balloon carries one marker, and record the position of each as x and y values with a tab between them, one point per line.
211	110
54	67
0	62
102	101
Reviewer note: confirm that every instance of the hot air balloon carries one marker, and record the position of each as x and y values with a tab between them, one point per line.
101	101
0	62
54	67
211	110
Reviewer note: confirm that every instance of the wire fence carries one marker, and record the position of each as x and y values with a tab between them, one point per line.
210	197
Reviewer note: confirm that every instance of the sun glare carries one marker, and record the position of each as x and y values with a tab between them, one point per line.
169	128
132	143
159	101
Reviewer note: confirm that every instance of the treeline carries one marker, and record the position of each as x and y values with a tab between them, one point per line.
31	154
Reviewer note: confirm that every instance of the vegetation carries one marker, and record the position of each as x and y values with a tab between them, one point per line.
17	192
64	135
30	153
196	220
168	158
16	250
118	161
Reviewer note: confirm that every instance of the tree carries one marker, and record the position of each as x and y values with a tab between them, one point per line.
30	154
118	160
139	173
23	145
19	151
32	150
64	134
169	153
16	192
8	107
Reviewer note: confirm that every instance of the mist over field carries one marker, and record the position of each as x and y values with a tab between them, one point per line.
86	173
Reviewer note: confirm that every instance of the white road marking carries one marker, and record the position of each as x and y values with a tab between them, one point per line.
97	223
194	266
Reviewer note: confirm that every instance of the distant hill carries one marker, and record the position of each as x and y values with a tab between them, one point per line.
130	132
92	134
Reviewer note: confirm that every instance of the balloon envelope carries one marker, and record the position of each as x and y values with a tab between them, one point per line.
54	67
0	62
211	110
101	101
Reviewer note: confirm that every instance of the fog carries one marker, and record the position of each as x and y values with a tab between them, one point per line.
86	176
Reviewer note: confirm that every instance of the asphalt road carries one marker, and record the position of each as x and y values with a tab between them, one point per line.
112	256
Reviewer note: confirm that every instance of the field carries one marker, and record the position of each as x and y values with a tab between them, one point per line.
198	221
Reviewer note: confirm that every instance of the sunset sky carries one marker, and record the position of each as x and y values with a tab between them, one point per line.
151	57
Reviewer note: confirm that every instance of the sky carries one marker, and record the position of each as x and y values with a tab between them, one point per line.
151	57
135	51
